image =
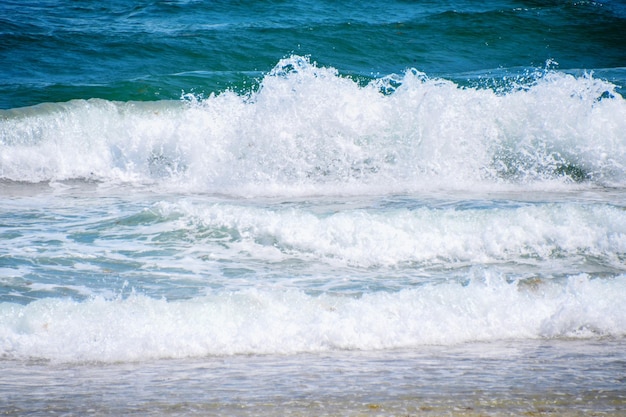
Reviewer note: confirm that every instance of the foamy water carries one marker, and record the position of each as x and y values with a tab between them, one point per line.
309	130
288	321
318	220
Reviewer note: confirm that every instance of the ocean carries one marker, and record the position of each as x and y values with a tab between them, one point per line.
268	208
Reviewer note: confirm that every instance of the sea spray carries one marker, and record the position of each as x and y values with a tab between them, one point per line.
309	128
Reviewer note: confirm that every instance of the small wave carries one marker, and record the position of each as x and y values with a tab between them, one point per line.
251	321
422	236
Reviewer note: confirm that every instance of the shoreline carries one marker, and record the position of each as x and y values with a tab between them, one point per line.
541	377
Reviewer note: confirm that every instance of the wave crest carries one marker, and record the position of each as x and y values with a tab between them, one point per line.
308	128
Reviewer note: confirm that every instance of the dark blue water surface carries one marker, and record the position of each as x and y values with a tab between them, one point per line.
57	50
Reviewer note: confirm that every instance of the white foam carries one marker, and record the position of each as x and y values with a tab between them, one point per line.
422	236
309	130
274	321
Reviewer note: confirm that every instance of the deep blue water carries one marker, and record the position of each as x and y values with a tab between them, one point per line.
149	50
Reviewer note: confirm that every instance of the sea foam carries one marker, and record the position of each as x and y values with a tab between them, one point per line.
256	321
308	129
418	236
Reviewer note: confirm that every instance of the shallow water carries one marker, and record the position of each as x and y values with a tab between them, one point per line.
496	378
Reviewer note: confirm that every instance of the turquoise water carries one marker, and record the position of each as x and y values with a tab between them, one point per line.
320	208
152	50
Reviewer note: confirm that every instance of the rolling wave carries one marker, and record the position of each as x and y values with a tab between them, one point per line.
308	128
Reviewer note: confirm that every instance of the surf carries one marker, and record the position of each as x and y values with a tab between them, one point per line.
306	127
263	321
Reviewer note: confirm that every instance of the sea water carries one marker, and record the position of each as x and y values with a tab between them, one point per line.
280	208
